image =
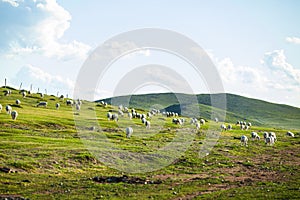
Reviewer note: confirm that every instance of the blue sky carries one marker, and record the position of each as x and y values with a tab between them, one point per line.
255	45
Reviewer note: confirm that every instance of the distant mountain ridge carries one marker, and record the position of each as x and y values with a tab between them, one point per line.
237	107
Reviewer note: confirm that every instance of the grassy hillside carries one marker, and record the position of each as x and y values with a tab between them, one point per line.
259	112
44	156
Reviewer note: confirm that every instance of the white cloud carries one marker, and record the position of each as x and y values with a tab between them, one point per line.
294	40
28	75
30	26
286	73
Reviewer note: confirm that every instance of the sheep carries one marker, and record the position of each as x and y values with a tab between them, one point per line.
7	92
148	124
109	115
272	134
194	120
254	136
18	102
238	123
129	132
62	97
216	120
270	140
77	106
14	115
249	124
115	117
198	125
266	134
177	121
120	112
244	140
0	108
144	120
69	102
8	109
129	115
42	103
229	127
223	127
289	133
202	121
57	105
23	94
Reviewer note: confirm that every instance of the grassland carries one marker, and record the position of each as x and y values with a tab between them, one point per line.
48	158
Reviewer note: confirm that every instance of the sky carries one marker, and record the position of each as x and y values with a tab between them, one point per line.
255	45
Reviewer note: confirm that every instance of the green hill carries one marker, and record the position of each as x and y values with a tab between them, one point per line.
237	107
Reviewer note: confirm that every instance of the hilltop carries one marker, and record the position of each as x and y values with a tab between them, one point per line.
259	112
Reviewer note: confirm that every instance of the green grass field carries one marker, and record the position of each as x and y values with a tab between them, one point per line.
49	156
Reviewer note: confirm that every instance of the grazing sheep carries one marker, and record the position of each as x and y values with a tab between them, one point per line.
272	134
290	134
109	115
270	140
249	124
8	109
229	127
148	124
120	112
202	121
18	102
77	106
7	92
57	105
23	94
129	115
129	132
254	136
223	127
216	120
14	115
69	102
62	97
0	108
144	120
194	120
198	125
266	134
244	140
115	117
42	103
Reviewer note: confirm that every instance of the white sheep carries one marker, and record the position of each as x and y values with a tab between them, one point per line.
14	115
216	120
120	112
7	92
198	125
0	108
270	140
129	132
223	127
148	124
290	134
244	140
254	136
194	120
129	115
77	106
229	127
57	105
69	102
18	102
8	109
202	121
23	94
272	134
42	103
115	117
144	120
249	124
266	134
109	115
